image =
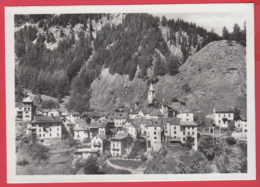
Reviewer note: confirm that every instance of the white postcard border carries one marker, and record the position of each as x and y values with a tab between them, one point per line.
247	8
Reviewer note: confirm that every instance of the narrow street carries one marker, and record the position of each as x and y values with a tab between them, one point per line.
133	171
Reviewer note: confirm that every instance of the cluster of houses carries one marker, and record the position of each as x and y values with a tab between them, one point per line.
155	123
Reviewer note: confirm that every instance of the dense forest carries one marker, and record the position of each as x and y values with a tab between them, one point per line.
82	51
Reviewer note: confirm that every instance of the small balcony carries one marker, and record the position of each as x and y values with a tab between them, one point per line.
97	144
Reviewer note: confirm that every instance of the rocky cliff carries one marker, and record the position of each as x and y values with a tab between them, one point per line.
216	75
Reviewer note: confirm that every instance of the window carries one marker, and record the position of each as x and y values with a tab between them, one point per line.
174	132
43	135
228	115
219	115
187	114
39	130
218	121
50	134
188	133
155	137
57	129
174	128
175	137
183	139
58	134
183	133
40	135
154	132
154	128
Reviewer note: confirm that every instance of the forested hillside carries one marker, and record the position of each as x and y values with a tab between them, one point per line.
61	55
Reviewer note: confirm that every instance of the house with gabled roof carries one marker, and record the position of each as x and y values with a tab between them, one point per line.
119	143
119	118
73	116
112	132
80	130
154	135
54	112
29	109
185	114
221	116
19	111
93	129
241	123
103	128
85	153
99	142
45	111
132	128
189	129
45	127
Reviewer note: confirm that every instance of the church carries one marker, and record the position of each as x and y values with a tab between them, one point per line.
155	108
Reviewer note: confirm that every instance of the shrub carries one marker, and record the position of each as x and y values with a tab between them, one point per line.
186	87
38	152
91	166
23	162
231	140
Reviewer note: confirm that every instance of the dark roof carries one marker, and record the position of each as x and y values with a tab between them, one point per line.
243	117
80	122
55	109
75	113
175	121
146	110
223	109
101	136
188	123
140	121
113	130
94	125
156	112
47	119
225	112
119	115
80	128
45	110
103	124
136	126
120	136
18	105
155	123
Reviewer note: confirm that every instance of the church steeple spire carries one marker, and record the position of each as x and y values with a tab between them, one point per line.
151	94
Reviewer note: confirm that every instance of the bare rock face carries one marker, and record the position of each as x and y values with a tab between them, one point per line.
216	75
109	91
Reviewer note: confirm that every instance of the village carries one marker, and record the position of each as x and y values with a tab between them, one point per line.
154	123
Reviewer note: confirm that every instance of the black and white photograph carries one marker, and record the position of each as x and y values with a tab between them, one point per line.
143	92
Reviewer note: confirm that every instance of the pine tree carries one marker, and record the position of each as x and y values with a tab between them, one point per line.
225	33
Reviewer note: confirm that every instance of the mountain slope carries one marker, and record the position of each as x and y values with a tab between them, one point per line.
216	75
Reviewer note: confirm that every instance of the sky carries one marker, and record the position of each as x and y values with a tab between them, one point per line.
210	21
